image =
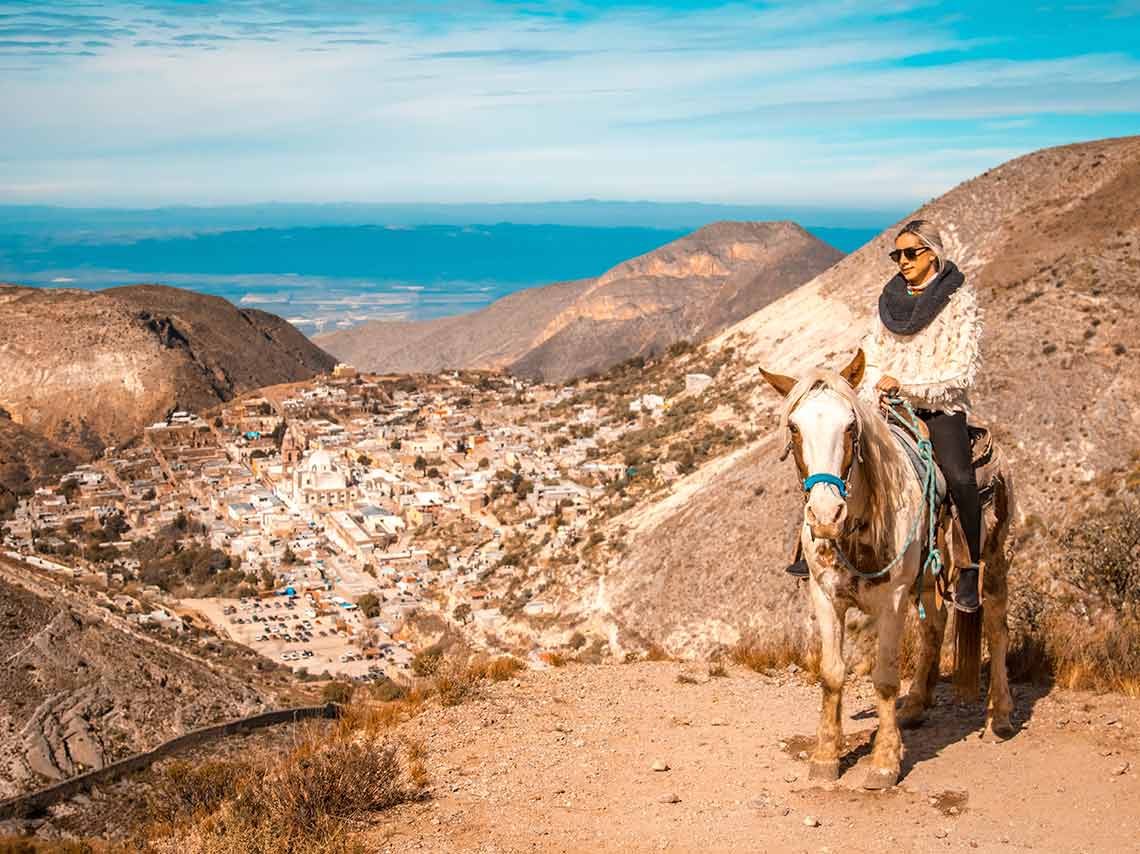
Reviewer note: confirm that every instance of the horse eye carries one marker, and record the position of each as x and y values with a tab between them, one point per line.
851	427
792	428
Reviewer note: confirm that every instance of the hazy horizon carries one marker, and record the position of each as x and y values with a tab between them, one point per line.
821	104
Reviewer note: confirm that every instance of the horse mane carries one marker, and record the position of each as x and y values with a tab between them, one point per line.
886	472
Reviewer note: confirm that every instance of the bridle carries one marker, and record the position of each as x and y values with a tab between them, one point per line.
841	482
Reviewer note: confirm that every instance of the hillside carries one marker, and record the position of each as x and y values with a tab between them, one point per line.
687	290
83	686
28	460
92	368
1051	240
657	756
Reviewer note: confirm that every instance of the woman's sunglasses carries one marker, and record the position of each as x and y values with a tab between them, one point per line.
910	253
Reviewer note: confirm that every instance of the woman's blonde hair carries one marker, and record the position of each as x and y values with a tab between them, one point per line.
929	236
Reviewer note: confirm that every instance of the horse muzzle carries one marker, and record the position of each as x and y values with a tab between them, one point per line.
826	522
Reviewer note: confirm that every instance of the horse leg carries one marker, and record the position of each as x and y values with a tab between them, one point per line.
833	671
920	697
999	704
886	758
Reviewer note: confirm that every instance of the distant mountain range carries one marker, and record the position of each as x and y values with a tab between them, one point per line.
592	213
686	290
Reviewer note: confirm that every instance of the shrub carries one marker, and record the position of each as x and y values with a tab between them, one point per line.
337	692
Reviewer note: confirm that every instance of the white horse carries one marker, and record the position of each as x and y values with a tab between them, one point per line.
862	497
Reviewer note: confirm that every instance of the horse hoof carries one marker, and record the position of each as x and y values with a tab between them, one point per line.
880	778
824	770
1000	729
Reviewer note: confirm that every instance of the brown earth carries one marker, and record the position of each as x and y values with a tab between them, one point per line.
687	290
561	762
89	369
1052	241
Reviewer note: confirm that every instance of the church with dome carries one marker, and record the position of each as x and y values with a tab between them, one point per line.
321	483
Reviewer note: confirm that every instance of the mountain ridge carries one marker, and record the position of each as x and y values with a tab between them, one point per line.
689	288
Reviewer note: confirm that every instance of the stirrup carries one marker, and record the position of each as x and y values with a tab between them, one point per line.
965	599
799	569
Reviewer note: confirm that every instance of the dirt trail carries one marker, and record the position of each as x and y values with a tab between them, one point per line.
561	761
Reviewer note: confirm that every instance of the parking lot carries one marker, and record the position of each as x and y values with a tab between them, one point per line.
287	630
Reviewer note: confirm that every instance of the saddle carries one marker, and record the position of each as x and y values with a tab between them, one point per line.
985	459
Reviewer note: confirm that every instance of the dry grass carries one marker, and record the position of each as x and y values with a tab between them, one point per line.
554	659
454	682
22	845
765	653
502	668
311	800
717	669
1085	634
686	679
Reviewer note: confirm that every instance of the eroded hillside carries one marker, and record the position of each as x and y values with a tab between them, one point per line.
92	368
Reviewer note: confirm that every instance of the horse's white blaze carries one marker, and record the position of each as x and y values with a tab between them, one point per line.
822	419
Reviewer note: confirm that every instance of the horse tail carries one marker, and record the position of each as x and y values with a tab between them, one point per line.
967	653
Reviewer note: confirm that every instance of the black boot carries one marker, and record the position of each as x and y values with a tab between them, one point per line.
799	569
966	591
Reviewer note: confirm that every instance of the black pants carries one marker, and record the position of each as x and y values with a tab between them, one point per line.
952	451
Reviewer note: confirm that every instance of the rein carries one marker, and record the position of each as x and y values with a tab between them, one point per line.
933	561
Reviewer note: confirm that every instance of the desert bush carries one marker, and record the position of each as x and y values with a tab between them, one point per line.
185	789
337	692
426	662
455	681
1085	633
502	667
309	801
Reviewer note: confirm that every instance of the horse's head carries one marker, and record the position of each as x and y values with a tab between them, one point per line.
823	433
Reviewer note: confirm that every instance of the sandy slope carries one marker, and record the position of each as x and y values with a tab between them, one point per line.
561	762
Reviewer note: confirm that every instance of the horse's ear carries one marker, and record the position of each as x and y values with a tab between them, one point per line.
779	382
853	373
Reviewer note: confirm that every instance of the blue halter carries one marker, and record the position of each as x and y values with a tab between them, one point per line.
824	477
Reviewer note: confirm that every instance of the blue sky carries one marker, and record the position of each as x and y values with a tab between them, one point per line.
835	104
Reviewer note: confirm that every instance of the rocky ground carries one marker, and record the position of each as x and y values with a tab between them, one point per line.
564	761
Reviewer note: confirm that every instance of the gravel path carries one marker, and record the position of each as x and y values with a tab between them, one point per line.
563	761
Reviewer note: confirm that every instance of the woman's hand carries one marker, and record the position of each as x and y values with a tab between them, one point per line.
887	385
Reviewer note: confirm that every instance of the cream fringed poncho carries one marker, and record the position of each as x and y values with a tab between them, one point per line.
936	367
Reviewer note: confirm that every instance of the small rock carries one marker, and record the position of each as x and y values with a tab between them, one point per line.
933	802
579	742
953	811
783	745
811	821
561	727
786	811
791	778
1121	769
669	798
660	765
793	668
803	754
1108	752
717	722
940	834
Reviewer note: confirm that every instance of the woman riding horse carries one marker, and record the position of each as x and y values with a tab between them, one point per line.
923	347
